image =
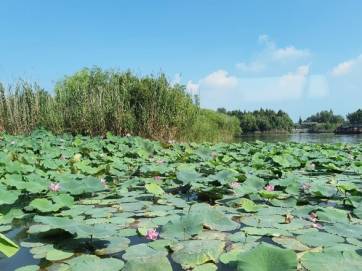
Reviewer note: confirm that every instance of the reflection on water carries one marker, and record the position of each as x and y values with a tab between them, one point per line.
329	138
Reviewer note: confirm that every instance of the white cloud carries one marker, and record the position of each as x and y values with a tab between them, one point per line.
219	80
215	89
176	79
345	67
290	51
287	87
318	87
255	66
272	55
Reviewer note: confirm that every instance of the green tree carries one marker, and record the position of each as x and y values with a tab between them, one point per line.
355	117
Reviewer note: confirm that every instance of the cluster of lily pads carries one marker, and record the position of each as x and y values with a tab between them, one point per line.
127	203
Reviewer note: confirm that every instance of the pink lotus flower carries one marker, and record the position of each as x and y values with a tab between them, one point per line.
152	234
172	141
54	187
235	184
101	154
311	166
306	186
318	226
63	157
128	134
157	178
103	180
269	187
213	154
12	142
311	219
61	147
160	161
350	156
348	147
101	137
152	159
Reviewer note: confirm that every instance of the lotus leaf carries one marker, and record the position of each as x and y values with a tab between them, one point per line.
266	257
196	252
183	228
216	220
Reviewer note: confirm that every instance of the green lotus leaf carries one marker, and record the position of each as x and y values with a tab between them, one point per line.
110	245
211	235
358	211
196	252
262	221
64	200
240	237
322	191
41	252
148	264
163	220
7	247
291	243
183	228
38	228
92	184
243	246
320	239
204	153
161	245
266	257
345	229
74	187
205	267
268	194
142	251
342	247
154	189
28	268
229	258
107	264
8	197
57	255
331	215
266	232
187	176
216	220
332	260
281	161
127	232
45	206
286	203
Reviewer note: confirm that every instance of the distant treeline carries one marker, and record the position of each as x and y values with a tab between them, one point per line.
327	121
262	120
93	101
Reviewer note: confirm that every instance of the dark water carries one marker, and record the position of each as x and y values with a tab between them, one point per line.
329	138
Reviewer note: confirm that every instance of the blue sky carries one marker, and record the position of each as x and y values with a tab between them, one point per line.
298	56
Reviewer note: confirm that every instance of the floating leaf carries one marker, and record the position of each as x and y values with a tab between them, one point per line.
196	252
183	228
216	220
7	247
266	257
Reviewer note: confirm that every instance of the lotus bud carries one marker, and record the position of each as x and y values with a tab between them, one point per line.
349	216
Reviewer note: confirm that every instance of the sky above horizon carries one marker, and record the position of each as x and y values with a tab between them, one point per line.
301	57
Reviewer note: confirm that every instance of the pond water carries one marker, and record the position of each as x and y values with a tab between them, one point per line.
329	138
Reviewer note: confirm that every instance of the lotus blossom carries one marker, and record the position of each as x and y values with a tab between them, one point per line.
61	147
269	187
172	141
348	147
54	187
103	180
350	156
128	134
311	166
61	140
101	137
234	184
63	157
152	234
101	154
157	178
152	159
306	186
213	154
12	142
311	219
318	226
160	161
